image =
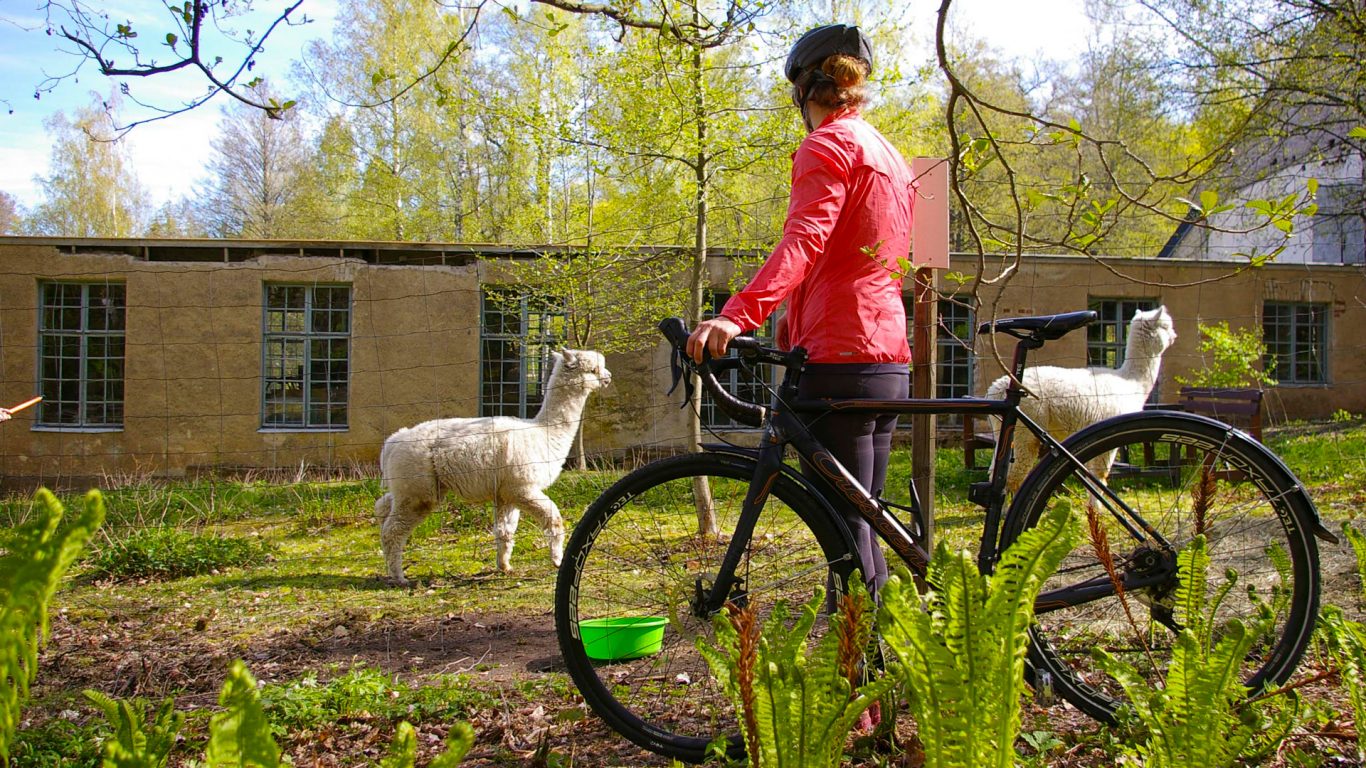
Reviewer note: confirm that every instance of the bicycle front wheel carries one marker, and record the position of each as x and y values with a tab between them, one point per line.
638	553
1185	476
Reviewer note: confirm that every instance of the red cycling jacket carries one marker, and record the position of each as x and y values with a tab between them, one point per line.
848	220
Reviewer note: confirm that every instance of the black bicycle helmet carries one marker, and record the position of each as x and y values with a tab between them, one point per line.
817	44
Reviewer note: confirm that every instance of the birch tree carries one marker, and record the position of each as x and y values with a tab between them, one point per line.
91	189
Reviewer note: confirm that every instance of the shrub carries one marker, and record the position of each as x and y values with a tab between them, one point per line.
1234	356
170	553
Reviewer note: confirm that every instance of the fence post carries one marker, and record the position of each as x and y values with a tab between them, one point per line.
929	251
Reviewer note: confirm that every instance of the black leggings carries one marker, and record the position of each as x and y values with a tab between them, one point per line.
861	442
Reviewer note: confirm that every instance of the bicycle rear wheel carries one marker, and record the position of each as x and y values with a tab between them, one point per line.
1185	475
637	553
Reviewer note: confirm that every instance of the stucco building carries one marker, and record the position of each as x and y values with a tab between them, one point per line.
162	358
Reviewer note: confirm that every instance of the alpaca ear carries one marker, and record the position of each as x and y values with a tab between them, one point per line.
556	354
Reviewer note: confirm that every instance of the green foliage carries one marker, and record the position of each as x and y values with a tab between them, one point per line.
962	644
56	743
1233	355
135	744
403	750
240	735
170	553
306	703
796	705
37	555
1202	716
1358	542
1347	648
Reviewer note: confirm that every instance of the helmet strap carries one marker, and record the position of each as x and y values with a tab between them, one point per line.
806	84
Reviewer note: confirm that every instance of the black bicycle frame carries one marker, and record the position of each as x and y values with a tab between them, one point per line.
784	426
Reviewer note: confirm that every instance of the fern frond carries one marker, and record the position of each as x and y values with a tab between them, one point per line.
136	744
936	693
1192	564
403	749
239	737
962	658
37	557
1202	716
1014	585
459	741
1347	646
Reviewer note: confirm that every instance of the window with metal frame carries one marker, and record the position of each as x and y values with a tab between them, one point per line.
306	359
1106	338
954	339
954	356
738	382
516	334
1296	337
81	334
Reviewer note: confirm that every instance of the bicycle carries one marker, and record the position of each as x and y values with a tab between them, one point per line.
1151	480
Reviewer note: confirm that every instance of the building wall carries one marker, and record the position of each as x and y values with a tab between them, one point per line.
1195	292
1240	232
194	351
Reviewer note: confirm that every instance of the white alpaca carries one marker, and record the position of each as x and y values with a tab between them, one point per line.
502	459
1066	400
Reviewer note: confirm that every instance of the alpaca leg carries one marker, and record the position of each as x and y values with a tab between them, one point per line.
404	515
1025	455
383	506
505	531
552	523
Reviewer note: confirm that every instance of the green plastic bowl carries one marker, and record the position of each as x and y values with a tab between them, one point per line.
626	637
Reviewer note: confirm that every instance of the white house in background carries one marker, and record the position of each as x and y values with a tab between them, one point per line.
1272	170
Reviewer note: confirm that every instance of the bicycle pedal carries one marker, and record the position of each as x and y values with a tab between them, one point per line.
980	493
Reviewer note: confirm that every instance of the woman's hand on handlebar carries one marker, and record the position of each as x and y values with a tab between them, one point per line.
712	335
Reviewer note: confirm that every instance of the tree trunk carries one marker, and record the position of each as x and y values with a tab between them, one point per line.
706	509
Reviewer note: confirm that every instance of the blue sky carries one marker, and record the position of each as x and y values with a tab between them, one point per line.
169	154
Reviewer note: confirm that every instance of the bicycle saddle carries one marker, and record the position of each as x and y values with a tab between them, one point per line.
1043	327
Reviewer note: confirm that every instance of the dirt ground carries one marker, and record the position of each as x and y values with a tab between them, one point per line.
136	655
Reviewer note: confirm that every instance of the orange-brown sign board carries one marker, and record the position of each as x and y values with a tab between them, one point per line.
930	213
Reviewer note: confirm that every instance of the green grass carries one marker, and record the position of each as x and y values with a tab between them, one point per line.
325	565
170	553
1329	458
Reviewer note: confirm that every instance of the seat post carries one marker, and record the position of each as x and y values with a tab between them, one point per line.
1017	365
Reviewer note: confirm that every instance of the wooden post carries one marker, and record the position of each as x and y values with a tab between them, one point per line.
929	251
923	443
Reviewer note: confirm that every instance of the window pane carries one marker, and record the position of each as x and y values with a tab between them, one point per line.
1296	342
306	356
80	354
517	332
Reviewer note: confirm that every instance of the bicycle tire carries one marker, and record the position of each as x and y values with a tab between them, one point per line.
1164	463
636	552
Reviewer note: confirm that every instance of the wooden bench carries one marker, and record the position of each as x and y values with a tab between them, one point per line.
1237	406
974	441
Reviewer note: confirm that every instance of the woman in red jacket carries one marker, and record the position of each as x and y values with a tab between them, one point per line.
848	220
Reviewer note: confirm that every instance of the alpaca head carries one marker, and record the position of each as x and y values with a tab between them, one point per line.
582	369
1150	333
